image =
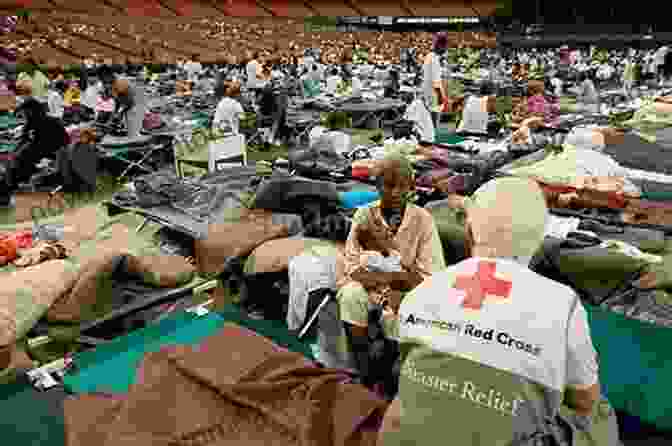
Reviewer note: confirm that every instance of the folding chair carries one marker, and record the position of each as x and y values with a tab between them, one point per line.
186	153
226	150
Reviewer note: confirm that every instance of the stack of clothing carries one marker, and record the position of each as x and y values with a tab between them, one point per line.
457	173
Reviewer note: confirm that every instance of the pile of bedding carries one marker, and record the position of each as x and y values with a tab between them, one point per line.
76	287
267	395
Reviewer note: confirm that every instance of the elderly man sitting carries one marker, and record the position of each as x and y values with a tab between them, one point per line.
395	225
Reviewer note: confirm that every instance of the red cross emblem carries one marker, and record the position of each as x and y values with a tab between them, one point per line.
482	284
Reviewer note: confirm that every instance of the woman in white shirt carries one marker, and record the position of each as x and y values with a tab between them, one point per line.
55	102
659	63
629	74
254	71
557	84
228	113
193	70
588	97
276	73
333	80
89	98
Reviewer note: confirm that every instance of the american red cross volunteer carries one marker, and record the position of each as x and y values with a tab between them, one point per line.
486	365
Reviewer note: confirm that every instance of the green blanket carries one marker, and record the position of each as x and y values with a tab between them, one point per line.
7	148
311	88
635	365
29	417
447	137
8	122
112	367
33	418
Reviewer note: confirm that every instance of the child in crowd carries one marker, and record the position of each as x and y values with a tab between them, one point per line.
557	84
72	95
629	74
536	102
55	101
91	91
333	80
588	97
104	107
78	162
552	108
392	84
205	82
228	113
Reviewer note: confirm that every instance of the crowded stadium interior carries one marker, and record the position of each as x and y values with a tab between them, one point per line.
355	223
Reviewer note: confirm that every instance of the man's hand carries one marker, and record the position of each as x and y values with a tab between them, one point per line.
392	301
405	281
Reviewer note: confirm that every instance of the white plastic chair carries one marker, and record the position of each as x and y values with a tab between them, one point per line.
227	150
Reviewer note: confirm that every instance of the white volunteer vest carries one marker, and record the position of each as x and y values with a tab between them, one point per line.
525	334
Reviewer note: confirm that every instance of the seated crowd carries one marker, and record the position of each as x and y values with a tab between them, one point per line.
487	337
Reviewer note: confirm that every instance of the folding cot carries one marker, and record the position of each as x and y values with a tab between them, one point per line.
371	113
143	153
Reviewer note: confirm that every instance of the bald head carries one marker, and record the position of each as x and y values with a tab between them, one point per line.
507	217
